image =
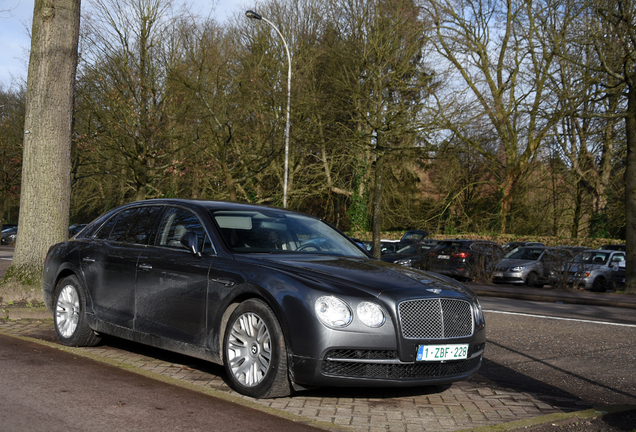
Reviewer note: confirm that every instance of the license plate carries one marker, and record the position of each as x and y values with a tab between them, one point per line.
442	352
443	256
498	274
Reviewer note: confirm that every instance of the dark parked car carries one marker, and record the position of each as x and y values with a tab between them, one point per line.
9	235
465	259
386	246
282	299
413	236
413	255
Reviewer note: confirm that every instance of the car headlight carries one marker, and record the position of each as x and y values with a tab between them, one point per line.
480	321
371	314
517	269
405	261
333	312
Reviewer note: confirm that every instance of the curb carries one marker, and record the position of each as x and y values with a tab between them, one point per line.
554	419
12	313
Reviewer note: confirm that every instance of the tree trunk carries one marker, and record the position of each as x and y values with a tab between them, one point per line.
377	205
630	192
45	192
506	201
578	204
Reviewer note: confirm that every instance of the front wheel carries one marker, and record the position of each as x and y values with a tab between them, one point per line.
599	284
255	354
531	280
70	315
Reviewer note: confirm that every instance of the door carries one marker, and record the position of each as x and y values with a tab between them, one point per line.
172	282
109	263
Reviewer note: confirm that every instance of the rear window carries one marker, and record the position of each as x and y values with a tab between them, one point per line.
133	225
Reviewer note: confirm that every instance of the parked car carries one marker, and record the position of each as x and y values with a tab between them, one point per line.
413	236
530	265
464	259
9	235
592	269
386	246
282	299
413	255
389	246
507	247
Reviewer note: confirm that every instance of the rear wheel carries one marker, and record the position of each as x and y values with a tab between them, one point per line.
255	354
69	318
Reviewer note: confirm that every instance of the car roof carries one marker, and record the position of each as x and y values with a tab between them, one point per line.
211	205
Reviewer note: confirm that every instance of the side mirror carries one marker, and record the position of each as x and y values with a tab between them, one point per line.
191	242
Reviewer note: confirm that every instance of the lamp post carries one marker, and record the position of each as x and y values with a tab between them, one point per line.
254	15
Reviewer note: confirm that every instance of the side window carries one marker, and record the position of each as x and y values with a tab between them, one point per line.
175	223
135	225
104	231
618	258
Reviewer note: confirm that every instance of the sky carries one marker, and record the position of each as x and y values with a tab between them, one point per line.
15	22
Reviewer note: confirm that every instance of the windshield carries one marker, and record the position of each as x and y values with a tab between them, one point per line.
258	232
408	250
524	253
591	257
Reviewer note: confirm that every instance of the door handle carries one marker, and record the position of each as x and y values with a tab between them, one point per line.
145	267
226	282
88	260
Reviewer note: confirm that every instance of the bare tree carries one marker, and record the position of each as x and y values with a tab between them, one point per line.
496	49
137	116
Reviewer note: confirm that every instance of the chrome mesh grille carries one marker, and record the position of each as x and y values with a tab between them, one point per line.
435	318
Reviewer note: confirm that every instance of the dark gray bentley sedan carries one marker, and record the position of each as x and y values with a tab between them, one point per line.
283	300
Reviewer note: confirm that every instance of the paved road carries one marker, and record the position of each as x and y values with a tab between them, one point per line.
46	389
583	352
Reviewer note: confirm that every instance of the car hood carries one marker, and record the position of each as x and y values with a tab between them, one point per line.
393	257
516	263
368	275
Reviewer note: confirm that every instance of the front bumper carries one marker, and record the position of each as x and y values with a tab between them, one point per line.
509	277
381	368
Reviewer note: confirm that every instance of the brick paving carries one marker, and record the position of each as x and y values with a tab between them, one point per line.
464	405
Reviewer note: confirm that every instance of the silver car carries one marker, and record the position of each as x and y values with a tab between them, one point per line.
592	269
530	265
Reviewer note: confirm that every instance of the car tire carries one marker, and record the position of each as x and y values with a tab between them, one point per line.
255	353
531	280
69	315
599	284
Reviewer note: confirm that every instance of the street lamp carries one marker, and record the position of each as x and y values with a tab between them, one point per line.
254	15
